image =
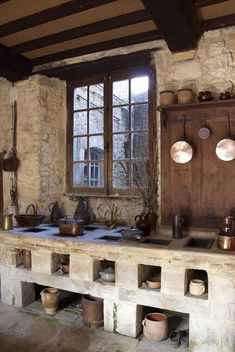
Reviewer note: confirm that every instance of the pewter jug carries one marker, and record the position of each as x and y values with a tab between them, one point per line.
177	226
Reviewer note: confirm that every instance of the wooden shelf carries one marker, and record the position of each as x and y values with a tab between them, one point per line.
196	105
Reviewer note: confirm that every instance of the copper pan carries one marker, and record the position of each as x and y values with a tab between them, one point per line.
225	148
182	151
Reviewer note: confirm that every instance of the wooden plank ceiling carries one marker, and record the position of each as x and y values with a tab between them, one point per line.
33	32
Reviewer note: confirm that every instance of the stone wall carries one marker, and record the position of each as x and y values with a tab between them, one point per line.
41	128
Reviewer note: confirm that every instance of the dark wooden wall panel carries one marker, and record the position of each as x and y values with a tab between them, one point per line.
204	189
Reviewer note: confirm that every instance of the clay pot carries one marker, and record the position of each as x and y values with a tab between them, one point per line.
153	282
167	97
92	311
155	326
26	258
185	96
50	299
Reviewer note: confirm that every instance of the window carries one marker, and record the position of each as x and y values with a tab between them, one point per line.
108	131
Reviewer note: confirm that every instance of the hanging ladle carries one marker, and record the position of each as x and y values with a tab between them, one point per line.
204	131
182	151
225	148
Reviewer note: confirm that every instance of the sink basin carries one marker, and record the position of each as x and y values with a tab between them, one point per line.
90	228
204	243
33	229
157	241
110	238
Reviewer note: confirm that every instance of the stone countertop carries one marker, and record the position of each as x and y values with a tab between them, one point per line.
91	241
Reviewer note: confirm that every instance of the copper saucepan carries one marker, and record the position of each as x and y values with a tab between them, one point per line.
182	151
225	148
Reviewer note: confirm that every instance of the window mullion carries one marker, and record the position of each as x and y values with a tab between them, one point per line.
108	132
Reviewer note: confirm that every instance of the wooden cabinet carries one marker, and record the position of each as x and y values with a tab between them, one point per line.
203	189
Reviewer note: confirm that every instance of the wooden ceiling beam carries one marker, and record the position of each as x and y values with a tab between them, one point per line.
204	3
78	32
79	70
178	21
53	13
110	44
13	67
2	1
218	22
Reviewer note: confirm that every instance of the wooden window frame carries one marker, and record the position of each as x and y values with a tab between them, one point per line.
107	78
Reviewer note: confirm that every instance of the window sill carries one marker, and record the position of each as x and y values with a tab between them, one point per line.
90	195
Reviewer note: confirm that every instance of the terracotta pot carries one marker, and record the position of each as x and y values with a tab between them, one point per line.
185	96
92	311
50	299
155	326
153	282
167	97
26	258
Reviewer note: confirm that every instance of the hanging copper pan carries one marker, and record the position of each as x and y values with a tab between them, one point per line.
182	151
225	148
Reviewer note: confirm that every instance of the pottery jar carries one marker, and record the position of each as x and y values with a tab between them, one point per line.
26	258
185	96
153	282
167	97
108	275
50	299
155	326
196	287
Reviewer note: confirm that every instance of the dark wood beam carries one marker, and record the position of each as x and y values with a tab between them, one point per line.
204	3
218	22
76	71
50	14
78	32
110	44
13	67
177	20
2	1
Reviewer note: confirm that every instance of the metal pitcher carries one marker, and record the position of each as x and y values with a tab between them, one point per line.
177	228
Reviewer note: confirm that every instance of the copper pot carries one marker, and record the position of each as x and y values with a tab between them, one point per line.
226	243
71	226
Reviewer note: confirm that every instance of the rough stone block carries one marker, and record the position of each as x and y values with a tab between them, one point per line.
127	273
227	337
173	281
81	267
219	284
7	290
204	334
41	261
110	311
129	319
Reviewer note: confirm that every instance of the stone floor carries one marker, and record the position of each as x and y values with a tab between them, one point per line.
29	329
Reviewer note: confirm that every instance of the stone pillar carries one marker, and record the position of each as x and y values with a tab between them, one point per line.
128	319
41	261
81	267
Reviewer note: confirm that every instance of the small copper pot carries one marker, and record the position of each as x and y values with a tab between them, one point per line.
226	243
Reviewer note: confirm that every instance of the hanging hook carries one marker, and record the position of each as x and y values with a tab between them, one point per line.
228	119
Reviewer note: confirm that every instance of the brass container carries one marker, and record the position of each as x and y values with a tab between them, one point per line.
7	222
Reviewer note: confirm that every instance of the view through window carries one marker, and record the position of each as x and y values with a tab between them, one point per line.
110	132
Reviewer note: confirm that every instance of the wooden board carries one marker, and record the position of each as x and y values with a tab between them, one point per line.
203	190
